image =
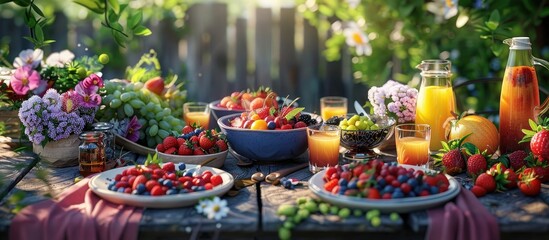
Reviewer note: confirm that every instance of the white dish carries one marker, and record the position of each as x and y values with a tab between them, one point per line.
99	183
196	159
402	205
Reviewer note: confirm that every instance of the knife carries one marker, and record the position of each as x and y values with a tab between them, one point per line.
361	110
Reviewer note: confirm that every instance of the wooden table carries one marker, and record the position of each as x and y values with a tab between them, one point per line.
253	210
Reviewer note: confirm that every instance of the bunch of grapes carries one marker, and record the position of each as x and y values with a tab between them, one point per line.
124	100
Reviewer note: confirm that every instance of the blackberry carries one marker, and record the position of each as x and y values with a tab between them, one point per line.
305	118
334	120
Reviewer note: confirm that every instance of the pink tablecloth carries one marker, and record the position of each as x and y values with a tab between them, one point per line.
77	214
464	219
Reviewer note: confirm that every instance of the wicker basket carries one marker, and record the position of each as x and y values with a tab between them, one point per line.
61	153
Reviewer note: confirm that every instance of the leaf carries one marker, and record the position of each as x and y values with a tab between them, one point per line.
37	10
496	49
533	124
39	33
5	1
119	38
142	31
112	17
93	5
115	6
292	113
22	3
135	20
470	148
493	22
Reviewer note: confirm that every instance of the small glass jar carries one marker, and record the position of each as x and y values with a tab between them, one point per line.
92	153
108	140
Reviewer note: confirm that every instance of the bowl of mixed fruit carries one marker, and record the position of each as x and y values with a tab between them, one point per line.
194	146
268	133
360	134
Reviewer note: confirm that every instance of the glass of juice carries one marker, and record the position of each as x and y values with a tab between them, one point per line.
412	144
197	113
323	141
333	106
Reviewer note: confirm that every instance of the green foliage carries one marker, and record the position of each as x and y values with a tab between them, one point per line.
402	34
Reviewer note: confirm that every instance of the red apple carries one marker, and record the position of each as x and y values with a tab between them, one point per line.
155	85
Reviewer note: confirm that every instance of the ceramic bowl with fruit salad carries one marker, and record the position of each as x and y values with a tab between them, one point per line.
194	146
359	134
273	136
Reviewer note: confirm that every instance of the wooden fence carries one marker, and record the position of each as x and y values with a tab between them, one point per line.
221	53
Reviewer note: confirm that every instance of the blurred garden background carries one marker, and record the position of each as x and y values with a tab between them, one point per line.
300	48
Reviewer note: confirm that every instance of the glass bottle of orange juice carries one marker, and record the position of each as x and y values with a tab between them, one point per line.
519	94
436	100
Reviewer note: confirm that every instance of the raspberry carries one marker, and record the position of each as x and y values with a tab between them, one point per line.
516	159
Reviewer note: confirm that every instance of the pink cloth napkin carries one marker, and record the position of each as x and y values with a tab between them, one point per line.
466	219
77	214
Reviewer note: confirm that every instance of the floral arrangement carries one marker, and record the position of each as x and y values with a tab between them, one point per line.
31	76
395	100
56	116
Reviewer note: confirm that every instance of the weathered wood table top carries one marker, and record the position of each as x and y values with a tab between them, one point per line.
253	210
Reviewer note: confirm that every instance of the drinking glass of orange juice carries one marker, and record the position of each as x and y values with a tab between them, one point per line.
197	113
323	141
412	143
333	106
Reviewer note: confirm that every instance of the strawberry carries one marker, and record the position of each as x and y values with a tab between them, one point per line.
529	185
187	129
478	191
171	150
198	151
206	141
486	181
180	141
194	140
160	147
542	172
264	112
511	178
539	144
169	142
453	162
516	159
476	165
185	149
222	145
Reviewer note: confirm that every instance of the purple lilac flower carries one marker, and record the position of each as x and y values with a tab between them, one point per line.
394	99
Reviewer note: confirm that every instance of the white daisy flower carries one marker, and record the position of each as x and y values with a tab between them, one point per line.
59	59
443	9
357	38
216	209
29	57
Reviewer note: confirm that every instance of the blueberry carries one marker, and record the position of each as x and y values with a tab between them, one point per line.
121	190
194	188
141	188
271	125
433	190
114	189
200	188
168	183
135	192
343	182
352	184
398	194
412	194
287	184
146	193
388	189
189	173
171	192
412	182
381	182
161	181
197	131
183	191
182	166
402	178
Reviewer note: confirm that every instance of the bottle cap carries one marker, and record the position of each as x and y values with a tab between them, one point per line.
518	43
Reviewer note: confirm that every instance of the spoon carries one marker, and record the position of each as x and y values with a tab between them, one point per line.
195	172
274	176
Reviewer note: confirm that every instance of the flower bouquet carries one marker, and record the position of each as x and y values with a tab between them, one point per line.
395	100
54	121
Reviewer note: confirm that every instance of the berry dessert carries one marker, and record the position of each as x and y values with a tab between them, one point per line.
194	141
270	117
152	180
378	180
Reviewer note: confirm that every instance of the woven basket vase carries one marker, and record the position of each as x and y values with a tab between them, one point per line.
61	153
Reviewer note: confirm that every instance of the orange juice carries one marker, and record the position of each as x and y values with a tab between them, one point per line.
519	96
328	112
435	105
323	149
412	150
201	118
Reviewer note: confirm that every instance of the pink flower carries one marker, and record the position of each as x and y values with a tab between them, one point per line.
70	101
132	133
93	80
88	96
25	79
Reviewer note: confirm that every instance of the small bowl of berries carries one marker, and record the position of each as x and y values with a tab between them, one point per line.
269	133
194	146
361	134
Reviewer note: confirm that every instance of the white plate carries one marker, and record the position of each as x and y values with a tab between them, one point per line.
402	205
99	183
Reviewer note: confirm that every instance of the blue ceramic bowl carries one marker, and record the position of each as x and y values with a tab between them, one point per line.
264	145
